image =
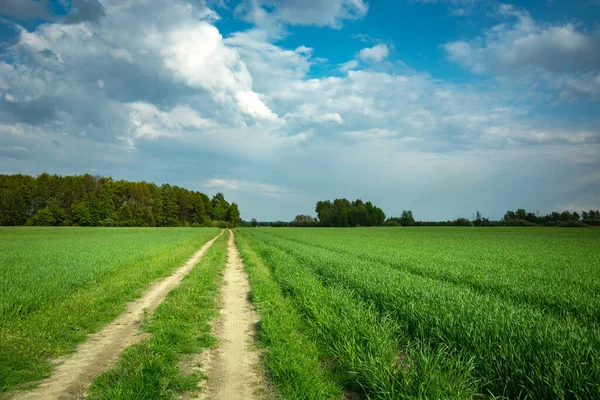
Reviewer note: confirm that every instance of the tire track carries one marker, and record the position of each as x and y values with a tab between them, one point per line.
233	366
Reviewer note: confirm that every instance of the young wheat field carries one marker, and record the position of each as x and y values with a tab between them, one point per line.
372	313
428	312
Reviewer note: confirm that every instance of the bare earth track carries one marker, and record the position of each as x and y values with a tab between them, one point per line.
233	366
72	377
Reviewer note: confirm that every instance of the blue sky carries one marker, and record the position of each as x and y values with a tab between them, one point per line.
444	107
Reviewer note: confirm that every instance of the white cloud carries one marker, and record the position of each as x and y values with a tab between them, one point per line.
251	104
586	85
221	183
304	50
302	12
347	66
198	55
554	48
561	56
147	120
374	133
374	54
333	117
260	188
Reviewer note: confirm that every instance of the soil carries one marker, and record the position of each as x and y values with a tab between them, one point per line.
74	373
233	367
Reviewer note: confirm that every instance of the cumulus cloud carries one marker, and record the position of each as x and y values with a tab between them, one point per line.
260	188
147	120
24	9
74	11
562	55
196	53
333	117
347	66
158	93
373	54
302	12
458	8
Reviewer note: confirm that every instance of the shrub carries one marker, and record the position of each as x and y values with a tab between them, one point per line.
461	222
43	217
517	222
572	224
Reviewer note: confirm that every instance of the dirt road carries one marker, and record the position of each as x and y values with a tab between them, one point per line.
233	366
73	375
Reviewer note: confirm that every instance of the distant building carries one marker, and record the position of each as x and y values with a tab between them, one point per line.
478	216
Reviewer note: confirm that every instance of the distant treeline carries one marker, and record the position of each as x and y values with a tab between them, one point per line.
338	214
87	200
522	218
519	217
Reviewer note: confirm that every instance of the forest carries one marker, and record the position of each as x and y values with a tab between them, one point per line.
86	200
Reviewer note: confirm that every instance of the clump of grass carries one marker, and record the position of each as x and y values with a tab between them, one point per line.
179	326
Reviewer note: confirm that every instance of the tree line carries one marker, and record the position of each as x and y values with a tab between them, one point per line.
86	200
521	217
343	213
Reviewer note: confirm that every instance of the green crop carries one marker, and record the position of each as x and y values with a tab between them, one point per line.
179	326
446	312
57	285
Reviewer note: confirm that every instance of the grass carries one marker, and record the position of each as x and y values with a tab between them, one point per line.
60	284
293	359
445	313
358	346
179	326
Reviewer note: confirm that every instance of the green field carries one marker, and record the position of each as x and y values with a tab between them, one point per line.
428	312
60	284
374	313
179	326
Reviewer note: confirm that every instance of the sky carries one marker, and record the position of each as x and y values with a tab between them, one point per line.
442	107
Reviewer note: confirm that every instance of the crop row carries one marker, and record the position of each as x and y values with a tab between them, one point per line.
359	346
554	270
496	346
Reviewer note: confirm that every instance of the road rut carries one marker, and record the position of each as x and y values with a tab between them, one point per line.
233	366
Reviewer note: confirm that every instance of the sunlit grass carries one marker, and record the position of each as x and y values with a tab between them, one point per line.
179	326
60	284
503	312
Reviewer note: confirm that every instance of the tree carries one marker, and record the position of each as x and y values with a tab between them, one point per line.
407	218
81	214
217	198
461	222
343	213
304	220
43	217
234	215
221	211
253	222
324	211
